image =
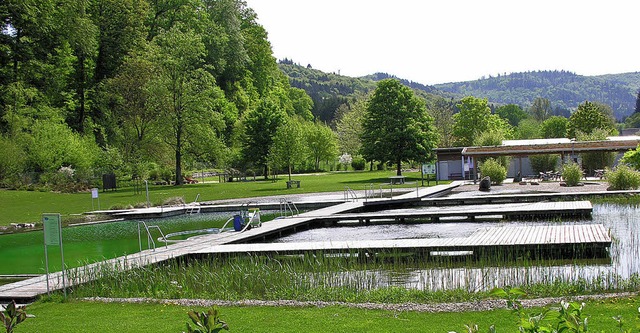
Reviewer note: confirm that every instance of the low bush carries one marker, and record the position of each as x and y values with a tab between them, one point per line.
623	178
358	163
571	173
494	170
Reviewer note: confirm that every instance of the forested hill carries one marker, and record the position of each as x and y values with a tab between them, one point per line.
329	90
565	90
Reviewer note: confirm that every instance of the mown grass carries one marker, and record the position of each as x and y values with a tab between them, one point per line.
28	206
83	316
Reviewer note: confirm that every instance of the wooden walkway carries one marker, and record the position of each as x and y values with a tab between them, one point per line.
526	237
29	289
513	210
519	197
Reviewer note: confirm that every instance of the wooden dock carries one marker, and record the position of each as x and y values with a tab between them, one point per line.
526	238
513	210
592	235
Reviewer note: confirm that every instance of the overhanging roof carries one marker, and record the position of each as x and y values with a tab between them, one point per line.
549	146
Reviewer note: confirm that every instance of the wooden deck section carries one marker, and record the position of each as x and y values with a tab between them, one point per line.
525	237
513	210
515	198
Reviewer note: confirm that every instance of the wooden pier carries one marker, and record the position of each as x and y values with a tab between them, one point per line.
525	238
580	209
592	236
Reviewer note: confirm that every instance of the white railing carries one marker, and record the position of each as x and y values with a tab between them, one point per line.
286	207
151	244
350	194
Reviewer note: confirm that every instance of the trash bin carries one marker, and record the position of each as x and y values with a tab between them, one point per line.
237	223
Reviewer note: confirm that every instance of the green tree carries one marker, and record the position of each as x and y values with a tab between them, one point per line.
637	110
349	126
588	118
260	127
321	142
541	109
632	158
289	147
184	93
397	126
475	118
442	112
527	129
302	103
595	160
512	113
554	127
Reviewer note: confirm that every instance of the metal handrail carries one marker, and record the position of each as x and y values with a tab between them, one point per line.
350	194
285	206
369	191
194	206
150	240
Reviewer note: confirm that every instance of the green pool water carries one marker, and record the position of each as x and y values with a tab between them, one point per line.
23	253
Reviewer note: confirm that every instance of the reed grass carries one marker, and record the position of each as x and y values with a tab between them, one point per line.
323	277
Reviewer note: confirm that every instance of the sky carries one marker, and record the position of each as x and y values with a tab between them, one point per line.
439	41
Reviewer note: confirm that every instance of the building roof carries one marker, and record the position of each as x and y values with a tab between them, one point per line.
554	146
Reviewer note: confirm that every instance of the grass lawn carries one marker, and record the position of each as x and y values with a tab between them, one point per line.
28	206
79	316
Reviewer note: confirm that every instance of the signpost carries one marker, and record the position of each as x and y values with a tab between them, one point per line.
94	195
53	237
428	169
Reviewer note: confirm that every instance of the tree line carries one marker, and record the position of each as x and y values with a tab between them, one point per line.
138	87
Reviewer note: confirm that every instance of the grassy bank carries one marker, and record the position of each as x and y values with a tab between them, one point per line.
28	206
80	316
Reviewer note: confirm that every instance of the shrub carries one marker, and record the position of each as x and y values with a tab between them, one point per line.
543	163
623	178
571	173
494	170
358	163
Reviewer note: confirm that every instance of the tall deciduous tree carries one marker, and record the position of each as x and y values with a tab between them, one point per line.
260	127
289	147
396	126
321	142
349	126
471	121
588	118
637	110
442	112
541	109
184	91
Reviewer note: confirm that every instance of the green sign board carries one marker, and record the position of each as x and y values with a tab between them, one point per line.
429	169
52	227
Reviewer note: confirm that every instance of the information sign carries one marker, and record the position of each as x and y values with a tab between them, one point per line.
429	169
51	224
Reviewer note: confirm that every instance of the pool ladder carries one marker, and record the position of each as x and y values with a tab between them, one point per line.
194	207
151	244
286	207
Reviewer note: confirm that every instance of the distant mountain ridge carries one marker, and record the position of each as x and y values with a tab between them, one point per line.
564	89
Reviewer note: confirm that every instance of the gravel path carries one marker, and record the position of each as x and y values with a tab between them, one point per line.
483	305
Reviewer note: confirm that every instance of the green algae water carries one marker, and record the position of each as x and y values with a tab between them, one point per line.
23	253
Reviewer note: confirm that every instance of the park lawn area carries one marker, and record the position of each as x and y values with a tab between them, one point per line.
28	206
84	316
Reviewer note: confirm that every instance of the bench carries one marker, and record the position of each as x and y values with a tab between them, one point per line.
290	183
397	180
